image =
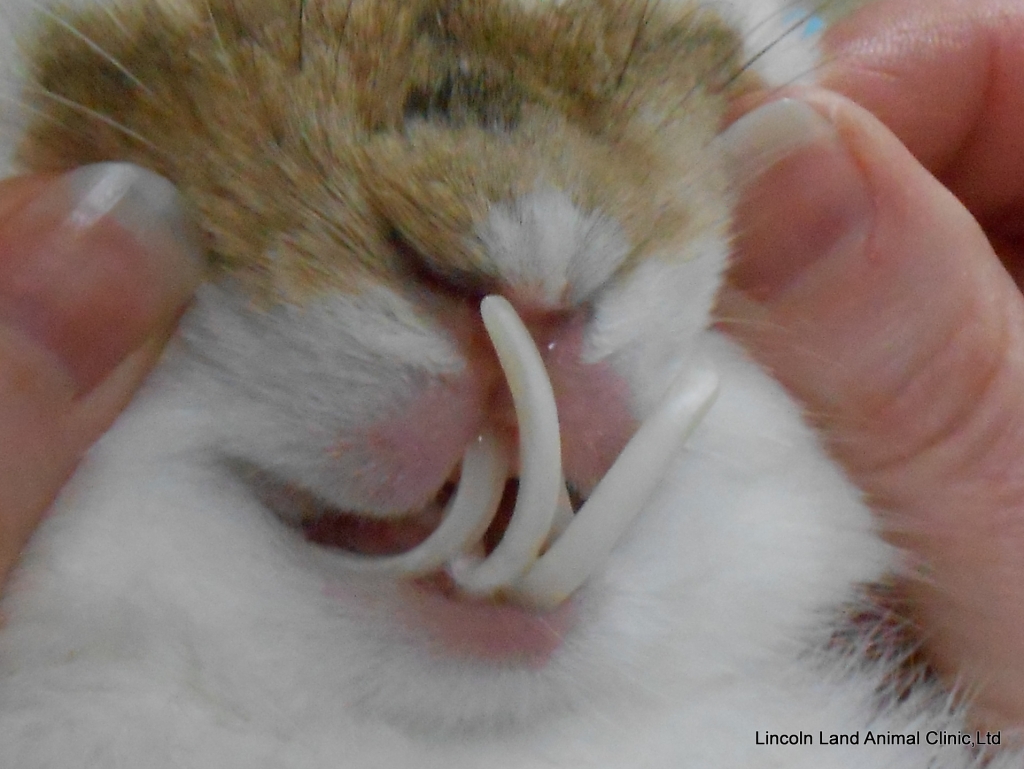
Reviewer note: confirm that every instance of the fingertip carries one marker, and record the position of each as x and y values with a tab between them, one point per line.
94	262
18	191
909	343
859	266
803	196
95	268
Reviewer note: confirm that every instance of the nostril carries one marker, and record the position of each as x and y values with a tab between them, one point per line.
436	276
539	313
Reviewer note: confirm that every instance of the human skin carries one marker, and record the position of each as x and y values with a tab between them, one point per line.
861	281
875	279
89	292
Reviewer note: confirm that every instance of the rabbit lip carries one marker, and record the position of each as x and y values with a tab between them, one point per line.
371	536
348	533
430	606
489	629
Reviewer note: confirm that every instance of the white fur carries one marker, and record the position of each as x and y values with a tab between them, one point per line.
162	617
290	381
779	47
543	240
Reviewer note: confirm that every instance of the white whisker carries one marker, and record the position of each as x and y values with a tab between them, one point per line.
106	119
21	104
796	25
98	49
115	20
228	61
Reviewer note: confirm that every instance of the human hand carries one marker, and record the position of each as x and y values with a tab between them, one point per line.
882	302
95	267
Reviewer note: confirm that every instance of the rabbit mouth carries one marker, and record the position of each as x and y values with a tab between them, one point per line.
397	537
518	538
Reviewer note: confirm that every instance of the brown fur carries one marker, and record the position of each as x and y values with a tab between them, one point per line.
322	142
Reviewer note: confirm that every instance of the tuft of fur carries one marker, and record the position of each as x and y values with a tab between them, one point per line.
363	117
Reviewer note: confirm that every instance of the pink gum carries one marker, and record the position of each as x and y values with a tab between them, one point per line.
418	448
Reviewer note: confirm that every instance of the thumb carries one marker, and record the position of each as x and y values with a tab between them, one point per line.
95	267
872	293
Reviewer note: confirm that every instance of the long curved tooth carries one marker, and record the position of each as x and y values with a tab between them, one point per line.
621	494
485	467
540	455
563	515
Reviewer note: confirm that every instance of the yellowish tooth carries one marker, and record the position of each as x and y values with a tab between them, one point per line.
621	494
540	455
576	544
563	515
484	471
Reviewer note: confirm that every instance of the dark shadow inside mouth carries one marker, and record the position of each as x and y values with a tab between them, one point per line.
576	498
323	524
366	536
501	520
375	536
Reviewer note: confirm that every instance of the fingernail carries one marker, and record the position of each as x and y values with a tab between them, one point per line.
802	196
142	202
101	260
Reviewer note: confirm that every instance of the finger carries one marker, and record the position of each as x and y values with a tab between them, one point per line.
947	77
94	268
872	293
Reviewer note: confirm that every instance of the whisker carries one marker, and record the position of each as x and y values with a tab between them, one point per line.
759	26
629	55
807	352
229	61
302	33
715	67
823	63
641	22
761	323
95	47
831	363
215	28
554	633
106	119
115	20
787	9
798	24
22	104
